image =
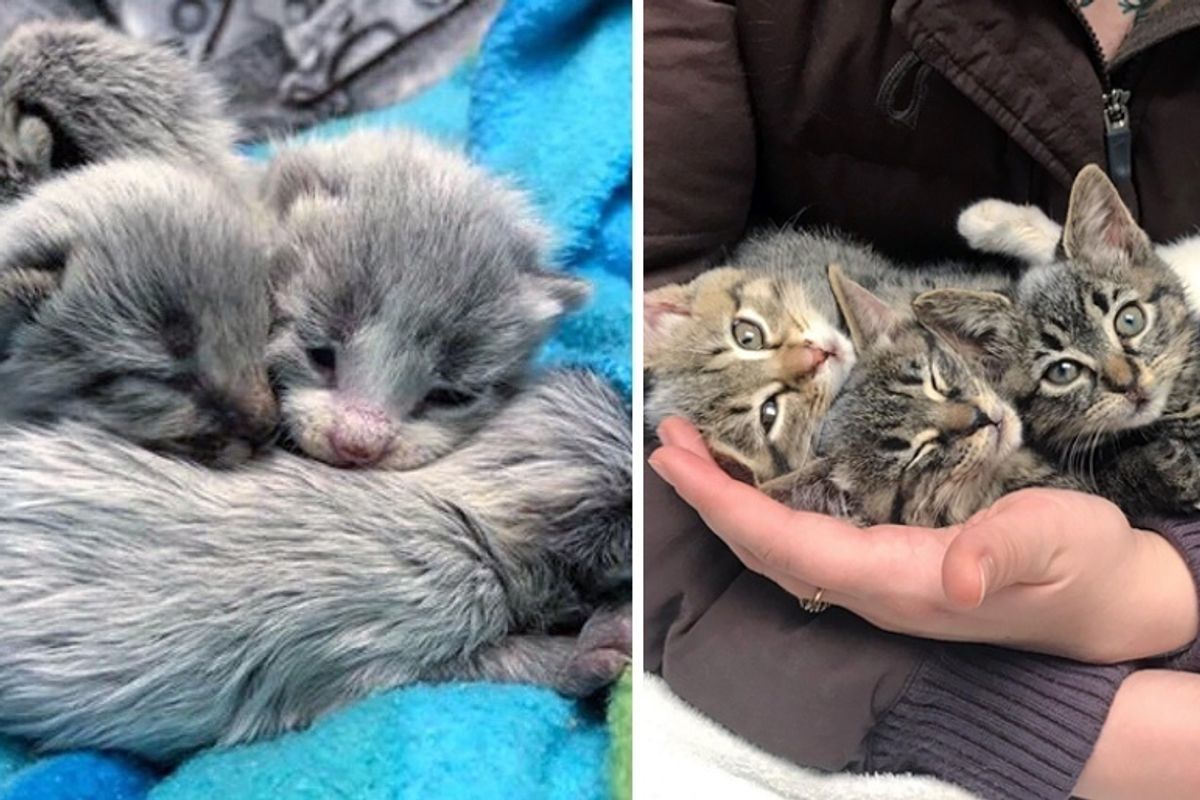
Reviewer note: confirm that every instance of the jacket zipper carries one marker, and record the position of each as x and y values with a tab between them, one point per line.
1118	137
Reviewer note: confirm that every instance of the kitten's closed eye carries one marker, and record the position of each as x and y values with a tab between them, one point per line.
324	359
444	397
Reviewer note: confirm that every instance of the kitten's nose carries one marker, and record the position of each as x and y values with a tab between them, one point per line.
802	360
966	418
361	437
1119	374
256	416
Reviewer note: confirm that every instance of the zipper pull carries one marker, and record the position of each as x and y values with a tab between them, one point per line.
1118	138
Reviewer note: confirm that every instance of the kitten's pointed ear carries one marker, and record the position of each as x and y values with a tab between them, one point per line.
22	292
663	310
552	294
868	318
294	175
812	488
982	324
735	464
1099	227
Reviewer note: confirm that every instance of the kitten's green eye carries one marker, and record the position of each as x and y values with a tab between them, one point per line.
768	413
748	335
1061	373
1130	321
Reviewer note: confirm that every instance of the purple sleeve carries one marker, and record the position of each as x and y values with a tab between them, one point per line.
1185	535
1003	725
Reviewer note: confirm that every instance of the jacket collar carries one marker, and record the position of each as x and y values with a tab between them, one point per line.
1028	64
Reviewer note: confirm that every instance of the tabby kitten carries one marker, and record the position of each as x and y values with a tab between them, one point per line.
1100	351
753	353
916	436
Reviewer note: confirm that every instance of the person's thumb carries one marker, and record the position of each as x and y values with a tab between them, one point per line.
995	550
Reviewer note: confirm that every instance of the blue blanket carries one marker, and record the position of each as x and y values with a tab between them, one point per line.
547	102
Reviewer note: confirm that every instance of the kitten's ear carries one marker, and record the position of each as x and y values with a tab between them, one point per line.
868	318
812	488
1099	226
663	310
733	463
294	175
552	294
22	292
981	324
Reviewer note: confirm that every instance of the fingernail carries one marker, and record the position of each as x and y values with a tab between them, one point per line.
986	567
656	464
663	436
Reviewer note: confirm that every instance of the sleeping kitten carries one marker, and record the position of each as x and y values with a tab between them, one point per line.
753	353
1100	351
76	93
270	595
1025	233
414	292
134	296
916	435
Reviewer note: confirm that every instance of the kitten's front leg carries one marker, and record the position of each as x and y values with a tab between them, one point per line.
1161	475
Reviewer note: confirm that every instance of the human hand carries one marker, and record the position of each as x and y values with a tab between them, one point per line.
1046	570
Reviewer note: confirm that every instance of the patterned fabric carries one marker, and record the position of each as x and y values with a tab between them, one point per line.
1112	20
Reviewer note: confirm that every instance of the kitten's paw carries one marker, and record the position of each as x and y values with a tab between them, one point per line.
998	226
602	652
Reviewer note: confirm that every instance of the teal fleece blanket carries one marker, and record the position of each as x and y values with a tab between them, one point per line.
547	102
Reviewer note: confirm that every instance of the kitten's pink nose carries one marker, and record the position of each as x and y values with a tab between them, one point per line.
1137	395
802	360
361	437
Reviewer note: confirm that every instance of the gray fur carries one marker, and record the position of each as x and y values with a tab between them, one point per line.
134	296
1127	424
155	607
78	93
695	369
916	436
414	290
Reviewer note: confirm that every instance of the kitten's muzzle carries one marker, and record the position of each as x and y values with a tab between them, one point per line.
965	419
801	361
252	418
1121	375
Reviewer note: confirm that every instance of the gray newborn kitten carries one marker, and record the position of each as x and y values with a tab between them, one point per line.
270	595
76	93
753	353
916	436
1100	351
134	296
413	294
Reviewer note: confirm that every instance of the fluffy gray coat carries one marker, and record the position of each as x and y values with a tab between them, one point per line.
156	607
